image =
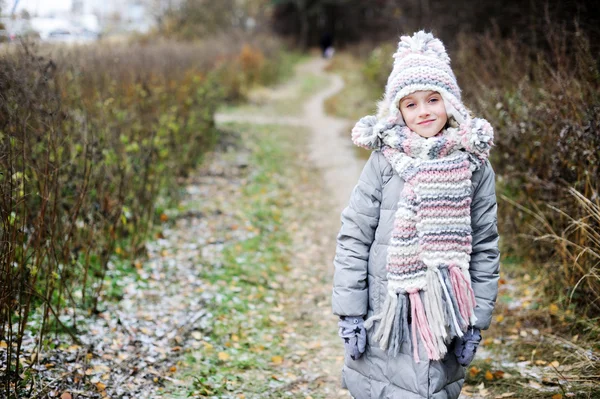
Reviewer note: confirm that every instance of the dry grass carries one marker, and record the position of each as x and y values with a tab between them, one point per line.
93	140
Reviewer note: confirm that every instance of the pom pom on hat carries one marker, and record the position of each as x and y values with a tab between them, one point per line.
422	43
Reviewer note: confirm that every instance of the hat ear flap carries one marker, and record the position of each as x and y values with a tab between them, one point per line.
452	111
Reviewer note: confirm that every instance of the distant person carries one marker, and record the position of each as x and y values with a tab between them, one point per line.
417	259
327	49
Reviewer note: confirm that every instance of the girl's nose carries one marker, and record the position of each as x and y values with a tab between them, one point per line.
424	110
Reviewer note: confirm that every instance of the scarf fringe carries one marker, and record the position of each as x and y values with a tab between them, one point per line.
439	313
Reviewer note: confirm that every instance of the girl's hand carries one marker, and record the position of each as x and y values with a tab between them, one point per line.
352	331
467	346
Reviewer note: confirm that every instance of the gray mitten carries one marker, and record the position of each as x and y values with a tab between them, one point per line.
467	346
352	330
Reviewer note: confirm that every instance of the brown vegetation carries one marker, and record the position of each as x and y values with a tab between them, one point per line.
92	142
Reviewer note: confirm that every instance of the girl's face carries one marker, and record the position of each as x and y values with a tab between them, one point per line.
424	112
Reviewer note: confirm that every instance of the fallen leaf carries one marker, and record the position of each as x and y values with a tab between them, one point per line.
100	386
498	374
505	395
489	376
224	356
277	359
553	308
473	371
557	396
163	217
575	338
500	318
173	369
66	395
3	344
555	364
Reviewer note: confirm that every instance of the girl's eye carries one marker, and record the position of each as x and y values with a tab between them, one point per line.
433	100
409	105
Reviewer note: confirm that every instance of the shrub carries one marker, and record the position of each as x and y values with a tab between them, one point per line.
545	106
90	137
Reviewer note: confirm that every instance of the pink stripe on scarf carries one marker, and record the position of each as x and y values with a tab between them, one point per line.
419	321
464	301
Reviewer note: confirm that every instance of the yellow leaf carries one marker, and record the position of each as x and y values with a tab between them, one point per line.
173	369
66	395
207	346
489	376
223	356
575	338
277	359
557	396
500	318
553	309
100	386
235	338
555	364
3	344
473	371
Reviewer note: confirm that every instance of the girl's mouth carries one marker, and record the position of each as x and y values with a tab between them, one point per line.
427	122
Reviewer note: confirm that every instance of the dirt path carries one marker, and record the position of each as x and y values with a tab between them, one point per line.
308	307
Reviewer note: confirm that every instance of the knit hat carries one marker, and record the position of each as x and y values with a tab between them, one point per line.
421	64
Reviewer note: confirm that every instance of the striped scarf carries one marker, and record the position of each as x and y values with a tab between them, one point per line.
429	251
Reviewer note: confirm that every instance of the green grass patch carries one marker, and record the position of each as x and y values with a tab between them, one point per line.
245	346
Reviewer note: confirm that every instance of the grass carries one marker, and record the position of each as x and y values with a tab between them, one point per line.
356	99
289	103
245	347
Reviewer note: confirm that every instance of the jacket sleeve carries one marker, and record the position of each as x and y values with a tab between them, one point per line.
485	257
359	221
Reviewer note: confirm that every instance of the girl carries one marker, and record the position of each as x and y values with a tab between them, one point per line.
417	260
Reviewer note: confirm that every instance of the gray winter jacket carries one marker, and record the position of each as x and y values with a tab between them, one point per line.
359	286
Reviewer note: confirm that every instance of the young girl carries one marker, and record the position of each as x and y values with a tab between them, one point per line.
417	260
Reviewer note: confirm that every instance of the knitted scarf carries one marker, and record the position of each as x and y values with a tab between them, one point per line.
429	251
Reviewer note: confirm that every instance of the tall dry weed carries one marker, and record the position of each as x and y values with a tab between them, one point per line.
545	106
90	137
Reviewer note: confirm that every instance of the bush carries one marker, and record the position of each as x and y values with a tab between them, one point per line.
90	137
545	107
